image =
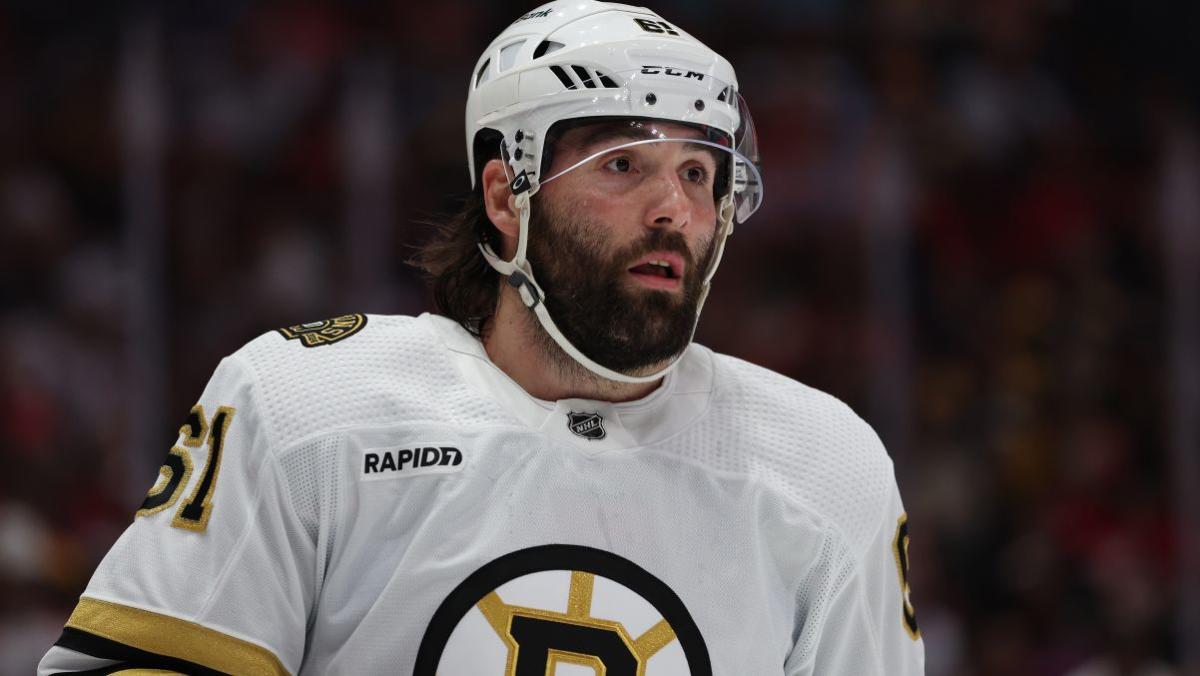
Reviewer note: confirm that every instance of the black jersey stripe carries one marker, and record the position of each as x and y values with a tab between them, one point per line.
128	656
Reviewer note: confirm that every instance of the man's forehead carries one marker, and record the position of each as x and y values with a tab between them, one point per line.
592	135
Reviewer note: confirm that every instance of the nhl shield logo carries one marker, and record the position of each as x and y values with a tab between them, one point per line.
327	332
587	425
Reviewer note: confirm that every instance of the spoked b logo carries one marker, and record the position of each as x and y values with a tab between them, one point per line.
528	612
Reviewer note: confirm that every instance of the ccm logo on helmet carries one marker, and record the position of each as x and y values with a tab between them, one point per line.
389	463
667	70
535	15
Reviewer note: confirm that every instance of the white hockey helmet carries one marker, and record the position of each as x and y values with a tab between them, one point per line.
575	59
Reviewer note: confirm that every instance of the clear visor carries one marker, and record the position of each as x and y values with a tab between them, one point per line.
665	105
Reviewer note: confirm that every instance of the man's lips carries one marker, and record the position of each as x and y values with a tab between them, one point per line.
659	270
656	282
667	264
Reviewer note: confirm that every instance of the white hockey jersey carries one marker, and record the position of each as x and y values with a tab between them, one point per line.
371	495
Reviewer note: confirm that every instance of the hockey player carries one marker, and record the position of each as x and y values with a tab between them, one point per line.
550	478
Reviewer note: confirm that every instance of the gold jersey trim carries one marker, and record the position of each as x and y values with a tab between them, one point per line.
173	637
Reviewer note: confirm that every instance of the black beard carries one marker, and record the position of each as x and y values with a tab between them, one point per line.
588	295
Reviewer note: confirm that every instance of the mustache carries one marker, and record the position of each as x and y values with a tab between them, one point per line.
656	240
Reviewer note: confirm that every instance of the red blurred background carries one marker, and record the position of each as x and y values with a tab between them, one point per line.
981	230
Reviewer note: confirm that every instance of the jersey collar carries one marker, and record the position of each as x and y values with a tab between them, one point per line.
591	425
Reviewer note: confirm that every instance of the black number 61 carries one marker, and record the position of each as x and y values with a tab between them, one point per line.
660	27
193	514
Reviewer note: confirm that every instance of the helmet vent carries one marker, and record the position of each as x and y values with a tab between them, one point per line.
481	76
508	55
563	77
584	76
547	47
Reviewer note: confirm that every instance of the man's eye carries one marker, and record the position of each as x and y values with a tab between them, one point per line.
696	174
621	164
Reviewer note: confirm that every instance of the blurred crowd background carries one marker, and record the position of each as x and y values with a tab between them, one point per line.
981	230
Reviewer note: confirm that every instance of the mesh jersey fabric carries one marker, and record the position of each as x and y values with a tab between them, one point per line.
769	510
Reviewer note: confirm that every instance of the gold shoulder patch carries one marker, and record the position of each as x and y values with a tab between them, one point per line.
326	332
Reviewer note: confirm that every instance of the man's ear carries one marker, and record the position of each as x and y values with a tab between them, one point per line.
500	204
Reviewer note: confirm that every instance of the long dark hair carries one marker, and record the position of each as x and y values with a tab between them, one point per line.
465	288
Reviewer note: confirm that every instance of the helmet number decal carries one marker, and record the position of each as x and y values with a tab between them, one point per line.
660	27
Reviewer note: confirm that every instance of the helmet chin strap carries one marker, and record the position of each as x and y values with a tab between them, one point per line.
519	275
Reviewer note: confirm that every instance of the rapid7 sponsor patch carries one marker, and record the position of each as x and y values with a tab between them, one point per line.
395	463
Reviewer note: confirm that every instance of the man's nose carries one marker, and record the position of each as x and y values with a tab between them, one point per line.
669	206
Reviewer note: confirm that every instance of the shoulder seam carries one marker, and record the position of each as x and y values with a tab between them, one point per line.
822	521
269	433
263	412
868	433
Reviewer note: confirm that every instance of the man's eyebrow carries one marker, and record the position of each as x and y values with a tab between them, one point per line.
717	155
